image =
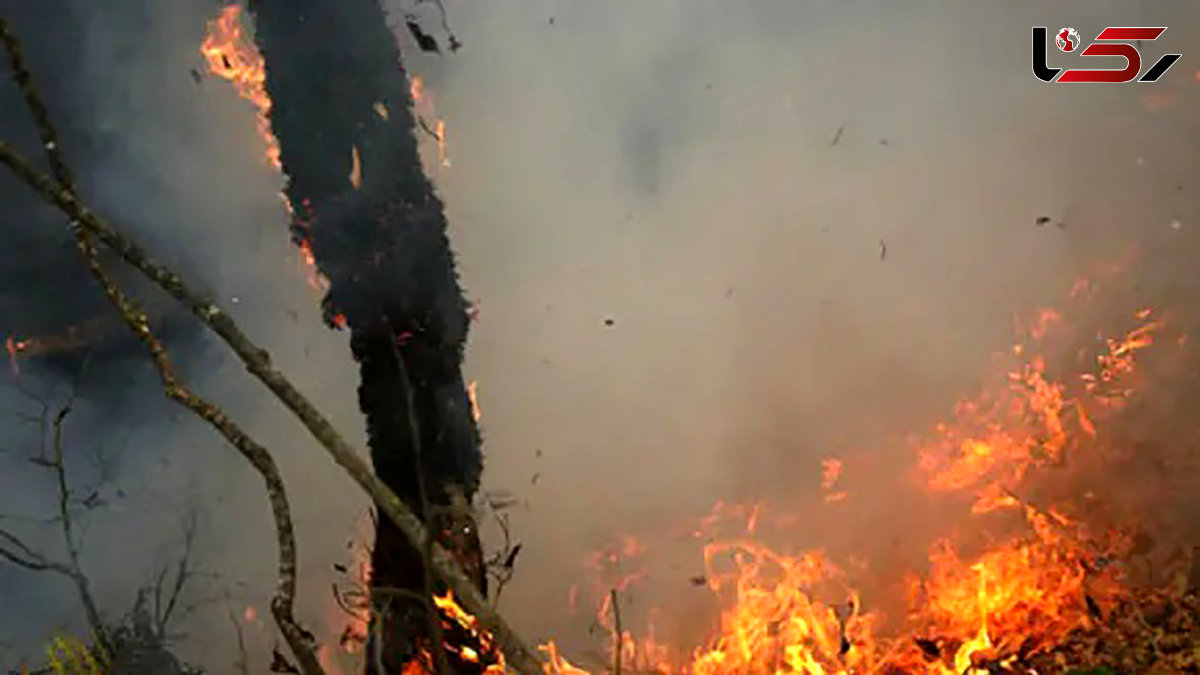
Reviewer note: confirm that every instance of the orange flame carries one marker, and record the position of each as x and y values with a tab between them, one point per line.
231	55
996	438
798	613
316	280
831	472
473	395
14	347
424	108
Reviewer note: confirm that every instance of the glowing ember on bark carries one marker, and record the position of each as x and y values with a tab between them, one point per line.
424	108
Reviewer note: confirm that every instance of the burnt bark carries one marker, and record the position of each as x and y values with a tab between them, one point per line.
338	88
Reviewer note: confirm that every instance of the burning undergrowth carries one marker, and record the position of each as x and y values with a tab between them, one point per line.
1047	530
1045	508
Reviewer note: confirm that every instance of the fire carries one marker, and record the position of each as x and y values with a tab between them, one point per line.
355	168
1019	598
1046	319
473	396
995	438
424	108
230	54
416	89
316	281
831	471
617	566
440	133
15	347
458	622
353	610
773	623
975	607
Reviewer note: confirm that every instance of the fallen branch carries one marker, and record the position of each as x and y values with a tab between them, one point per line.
258	456
519	656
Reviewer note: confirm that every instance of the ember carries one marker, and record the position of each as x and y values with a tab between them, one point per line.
425	109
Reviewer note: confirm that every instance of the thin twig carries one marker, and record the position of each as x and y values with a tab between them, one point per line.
258	456
163	613
502	564
17	552
519	656
65	522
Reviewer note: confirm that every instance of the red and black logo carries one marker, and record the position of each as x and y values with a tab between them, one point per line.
1112	41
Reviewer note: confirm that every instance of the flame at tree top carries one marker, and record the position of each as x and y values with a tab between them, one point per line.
230	54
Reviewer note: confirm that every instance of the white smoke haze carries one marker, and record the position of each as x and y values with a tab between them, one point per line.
669	168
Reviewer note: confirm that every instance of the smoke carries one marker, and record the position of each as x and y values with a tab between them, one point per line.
674	168
177	163
673	217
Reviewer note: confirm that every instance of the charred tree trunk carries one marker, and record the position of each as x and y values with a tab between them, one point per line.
340	98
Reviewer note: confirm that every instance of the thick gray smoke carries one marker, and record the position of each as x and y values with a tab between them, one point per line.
673	216
673	167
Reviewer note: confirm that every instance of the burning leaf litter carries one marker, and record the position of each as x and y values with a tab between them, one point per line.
1054	596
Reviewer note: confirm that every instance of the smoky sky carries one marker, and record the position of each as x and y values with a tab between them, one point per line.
678	268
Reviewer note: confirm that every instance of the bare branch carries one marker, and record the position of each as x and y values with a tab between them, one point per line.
20	554
519	656
258	456
16	551
82	584
502	564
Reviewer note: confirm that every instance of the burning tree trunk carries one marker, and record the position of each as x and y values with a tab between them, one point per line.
341	111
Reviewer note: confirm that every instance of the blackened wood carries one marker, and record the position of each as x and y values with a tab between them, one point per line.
331	67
